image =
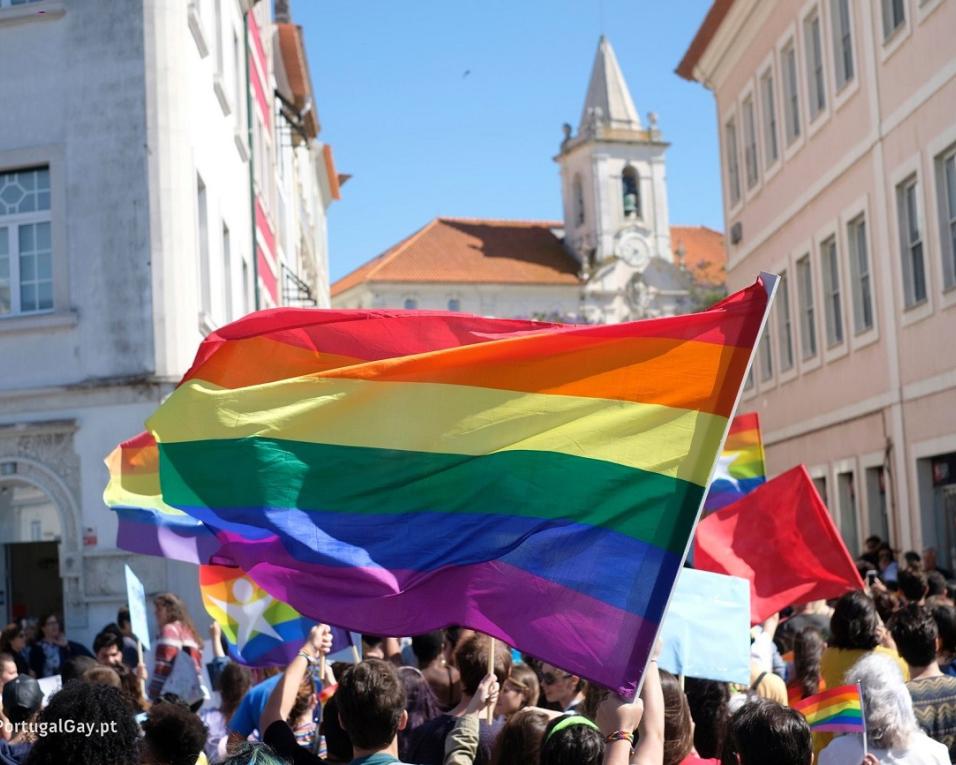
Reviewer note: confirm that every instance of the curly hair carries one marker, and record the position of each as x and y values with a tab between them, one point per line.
887	705
101	706
176	611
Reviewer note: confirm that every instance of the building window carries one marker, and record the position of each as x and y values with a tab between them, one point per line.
876	502
791	102
808	320
784	326
860	281
454	304
750	143
894	16
202	234
227	271
911	243
847	498
410	304
832	300
813	40
26	249
842	42
577	199
766	355
733	170
946	190
631	192
771	150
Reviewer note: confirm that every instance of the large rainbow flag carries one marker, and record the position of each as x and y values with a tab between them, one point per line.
837	710
741	467
397	472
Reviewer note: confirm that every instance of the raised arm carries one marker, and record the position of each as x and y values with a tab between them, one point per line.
283	695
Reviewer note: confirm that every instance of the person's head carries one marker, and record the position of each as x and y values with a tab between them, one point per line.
916	635
421	704
872	544
520	690
763	731
371	704
678	728
337	742
21	698
234	682
471	658
885	557
252	753
74	667
428	647
519	742
115	741
49	627
108	648
855	623
708	701
572	740
887	706
123	621
8	669
913	585
936	585
303	706
945	617
373	647
912	559
886	603
172	735
132	688
103	675
170	608
560	687
12	639
807	652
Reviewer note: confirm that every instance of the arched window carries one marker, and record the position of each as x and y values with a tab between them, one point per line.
411	304
577	192
454	304
631	192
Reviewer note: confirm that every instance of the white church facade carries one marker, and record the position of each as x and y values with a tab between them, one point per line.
614	257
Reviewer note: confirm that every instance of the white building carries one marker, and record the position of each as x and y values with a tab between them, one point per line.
614	257
135	216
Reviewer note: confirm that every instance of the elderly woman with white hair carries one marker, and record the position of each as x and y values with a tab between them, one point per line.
892	735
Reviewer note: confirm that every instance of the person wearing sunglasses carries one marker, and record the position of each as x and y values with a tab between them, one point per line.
561	688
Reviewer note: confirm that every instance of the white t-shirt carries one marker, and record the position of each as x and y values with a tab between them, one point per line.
848	750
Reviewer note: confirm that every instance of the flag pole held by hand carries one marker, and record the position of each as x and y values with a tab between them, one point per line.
491	671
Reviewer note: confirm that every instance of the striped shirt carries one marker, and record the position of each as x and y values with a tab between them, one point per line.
173	638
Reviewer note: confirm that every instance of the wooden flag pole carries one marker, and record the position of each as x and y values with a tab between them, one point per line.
491	671
139	663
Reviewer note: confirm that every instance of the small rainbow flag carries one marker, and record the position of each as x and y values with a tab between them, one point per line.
838	710
741	467
260	630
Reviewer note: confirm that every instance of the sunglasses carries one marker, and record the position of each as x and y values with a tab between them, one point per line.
549	678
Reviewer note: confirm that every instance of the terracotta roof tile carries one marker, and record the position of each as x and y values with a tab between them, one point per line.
703	253
466	250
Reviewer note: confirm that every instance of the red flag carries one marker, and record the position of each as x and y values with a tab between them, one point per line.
781	539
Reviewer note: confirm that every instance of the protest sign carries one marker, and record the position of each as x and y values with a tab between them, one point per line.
706	632
136	596
183	680
49	686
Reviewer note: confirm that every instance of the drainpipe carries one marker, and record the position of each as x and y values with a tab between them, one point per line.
252	172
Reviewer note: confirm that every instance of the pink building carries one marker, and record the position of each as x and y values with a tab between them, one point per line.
837	123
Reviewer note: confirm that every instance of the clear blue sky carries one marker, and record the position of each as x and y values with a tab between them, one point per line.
422	139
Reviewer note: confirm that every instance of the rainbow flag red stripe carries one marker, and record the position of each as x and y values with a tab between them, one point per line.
396	472
837	710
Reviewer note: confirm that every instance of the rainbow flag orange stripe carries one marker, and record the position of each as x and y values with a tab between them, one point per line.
838	710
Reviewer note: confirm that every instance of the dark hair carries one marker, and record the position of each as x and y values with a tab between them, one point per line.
428	647
173	734
337	741
8	635
471	658
122	616
855	623
105	639
873	541
519	742
101	705
807	653
915	632
371	700
43	620
74	667
420	703
886	603
936	583
945	617
913	584
252	753
234	682
574	745
912	559
708	700
678	733
763	731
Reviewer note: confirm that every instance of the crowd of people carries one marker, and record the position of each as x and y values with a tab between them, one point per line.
431	700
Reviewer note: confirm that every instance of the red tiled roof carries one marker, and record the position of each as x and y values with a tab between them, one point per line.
712	21
465	250
297	71
704	255
480	251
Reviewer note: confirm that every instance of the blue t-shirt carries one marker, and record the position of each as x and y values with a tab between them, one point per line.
246	717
